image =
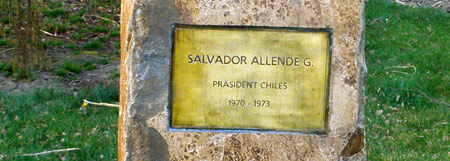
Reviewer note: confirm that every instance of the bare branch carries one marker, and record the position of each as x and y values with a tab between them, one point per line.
402	67
42	153
50	34
86	102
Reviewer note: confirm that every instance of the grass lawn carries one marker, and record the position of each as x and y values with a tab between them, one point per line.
50	119
407	111
408	82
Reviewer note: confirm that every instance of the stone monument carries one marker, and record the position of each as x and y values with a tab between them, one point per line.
242	80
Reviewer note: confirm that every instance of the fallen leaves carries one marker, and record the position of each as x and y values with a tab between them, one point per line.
379	112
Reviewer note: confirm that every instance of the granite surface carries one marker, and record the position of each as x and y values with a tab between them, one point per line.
145	68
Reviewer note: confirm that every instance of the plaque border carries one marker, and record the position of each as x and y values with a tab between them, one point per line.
173	28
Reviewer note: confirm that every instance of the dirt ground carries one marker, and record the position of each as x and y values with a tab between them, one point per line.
105	58
103	74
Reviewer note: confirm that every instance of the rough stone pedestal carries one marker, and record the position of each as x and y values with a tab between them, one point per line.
145	67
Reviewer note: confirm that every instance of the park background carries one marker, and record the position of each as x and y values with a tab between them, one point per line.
56	53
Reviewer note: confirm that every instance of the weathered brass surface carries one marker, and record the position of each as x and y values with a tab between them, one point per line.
251	78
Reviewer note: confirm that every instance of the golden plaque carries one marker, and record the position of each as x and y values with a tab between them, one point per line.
249	78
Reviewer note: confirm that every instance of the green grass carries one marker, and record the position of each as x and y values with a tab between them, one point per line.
50	119
3	43
117	52
410	124
6	68
114	33
4	20
61	72
72	67
21	73
52	25
102	38
89	65
55	12
104	3
78	36
52	43
54	4
115	74
93	45
76	19
71	46
7	31
100	29
105	22
408	59
103	61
